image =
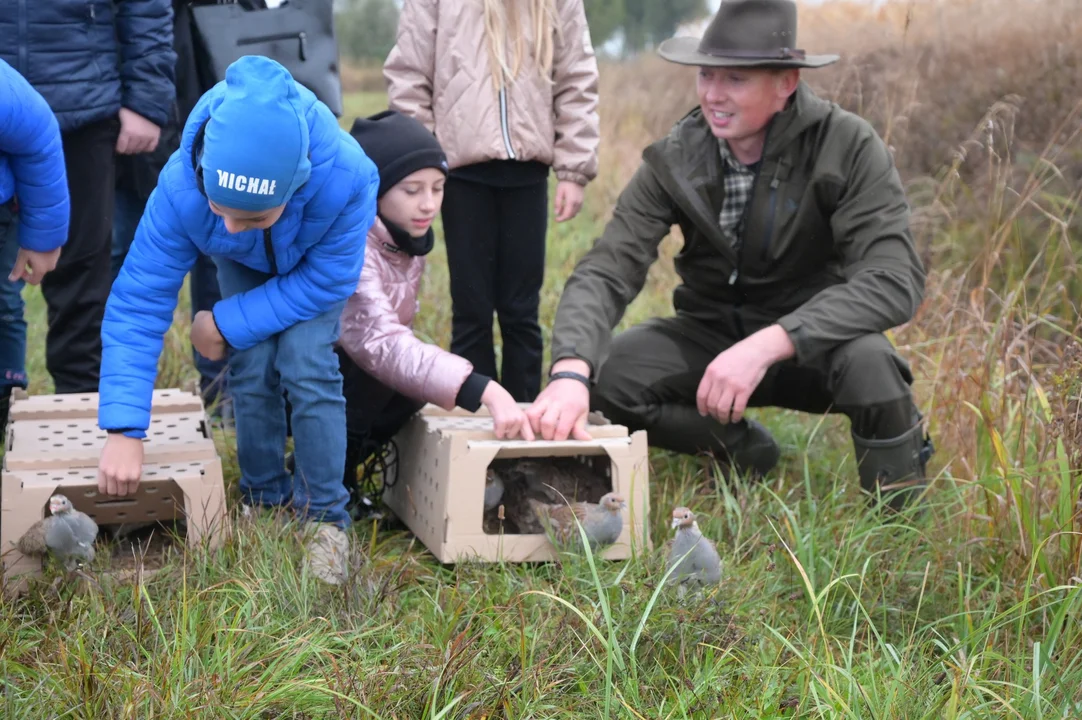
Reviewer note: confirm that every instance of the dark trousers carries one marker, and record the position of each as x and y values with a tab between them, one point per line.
374	414
496	258
654	369
76	291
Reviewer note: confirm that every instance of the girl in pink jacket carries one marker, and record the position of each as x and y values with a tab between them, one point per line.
510	90
388	373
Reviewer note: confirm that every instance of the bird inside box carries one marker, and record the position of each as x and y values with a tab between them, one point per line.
514	487
76	539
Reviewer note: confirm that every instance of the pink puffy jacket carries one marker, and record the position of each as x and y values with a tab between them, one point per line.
377	327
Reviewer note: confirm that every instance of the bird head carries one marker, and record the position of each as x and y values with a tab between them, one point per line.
613	502
682	518
59	504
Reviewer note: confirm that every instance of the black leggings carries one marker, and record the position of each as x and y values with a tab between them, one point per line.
496	258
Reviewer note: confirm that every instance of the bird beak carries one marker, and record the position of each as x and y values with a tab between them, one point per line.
675	523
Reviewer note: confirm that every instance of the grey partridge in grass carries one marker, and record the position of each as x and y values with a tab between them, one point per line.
701	566
67	534
601	521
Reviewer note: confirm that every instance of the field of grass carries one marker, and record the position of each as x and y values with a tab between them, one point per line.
972	609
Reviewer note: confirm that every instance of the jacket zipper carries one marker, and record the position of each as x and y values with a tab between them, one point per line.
24	70
771	207
269	248
505	125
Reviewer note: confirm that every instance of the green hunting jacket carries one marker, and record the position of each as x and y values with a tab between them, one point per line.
826	248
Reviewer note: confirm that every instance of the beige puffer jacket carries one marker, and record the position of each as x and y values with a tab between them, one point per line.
377	327
438	72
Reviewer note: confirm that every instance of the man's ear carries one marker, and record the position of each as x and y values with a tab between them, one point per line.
787	81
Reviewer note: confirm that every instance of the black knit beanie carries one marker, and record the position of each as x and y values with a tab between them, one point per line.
398	145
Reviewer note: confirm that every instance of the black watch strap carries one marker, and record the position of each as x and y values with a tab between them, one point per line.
568	375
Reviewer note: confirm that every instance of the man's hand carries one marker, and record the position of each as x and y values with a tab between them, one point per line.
205	336
508	419
32	266
568	200
137	134
732	377
561	408
120	466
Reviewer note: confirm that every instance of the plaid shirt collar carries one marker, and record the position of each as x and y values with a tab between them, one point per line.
738	180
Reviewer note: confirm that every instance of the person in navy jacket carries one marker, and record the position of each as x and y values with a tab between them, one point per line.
267	184
105	67
34	207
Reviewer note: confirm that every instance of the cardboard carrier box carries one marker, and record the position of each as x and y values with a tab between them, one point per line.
445	458
53	444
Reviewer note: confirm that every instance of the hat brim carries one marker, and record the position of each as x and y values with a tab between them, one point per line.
685	51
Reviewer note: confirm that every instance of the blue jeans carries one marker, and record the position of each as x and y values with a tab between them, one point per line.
12	322
203	287
299	361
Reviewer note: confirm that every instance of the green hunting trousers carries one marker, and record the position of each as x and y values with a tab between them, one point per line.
653	370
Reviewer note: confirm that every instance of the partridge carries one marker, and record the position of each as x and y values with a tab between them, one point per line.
602	521
67	534
702	564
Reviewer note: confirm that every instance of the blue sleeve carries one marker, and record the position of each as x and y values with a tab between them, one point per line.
30	142
138	314
147	59
327	274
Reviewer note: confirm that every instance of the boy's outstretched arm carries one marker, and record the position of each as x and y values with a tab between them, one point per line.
30	145
327	274
138	314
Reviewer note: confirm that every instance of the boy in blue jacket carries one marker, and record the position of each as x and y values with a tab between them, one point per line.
34	209
267	184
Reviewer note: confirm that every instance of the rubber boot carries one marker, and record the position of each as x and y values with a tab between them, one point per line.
894	467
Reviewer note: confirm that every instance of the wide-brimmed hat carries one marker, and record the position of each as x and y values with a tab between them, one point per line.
746	33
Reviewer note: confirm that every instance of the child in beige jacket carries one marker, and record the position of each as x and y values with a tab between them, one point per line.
509	87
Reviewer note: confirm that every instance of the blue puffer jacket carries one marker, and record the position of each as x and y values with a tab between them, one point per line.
32	164
318	247
88	58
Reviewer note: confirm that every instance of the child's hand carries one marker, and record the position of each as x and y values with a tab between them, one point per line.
205	336
568	199
508	419
121	465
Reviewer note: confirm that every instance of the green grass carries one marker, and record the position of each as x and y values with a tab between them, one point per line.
972	609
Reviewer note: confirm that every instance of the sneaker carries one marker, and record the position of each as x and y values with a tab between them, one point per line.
328	554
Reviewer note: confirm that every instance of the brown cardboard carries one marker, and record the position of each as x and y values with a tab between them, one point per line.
53	445
440	486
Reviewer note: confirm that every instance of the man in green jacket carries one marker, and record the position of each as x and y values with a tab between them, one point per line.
797	258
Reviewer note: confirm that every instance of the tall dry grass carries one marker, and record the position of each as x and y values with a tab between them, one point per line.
981	103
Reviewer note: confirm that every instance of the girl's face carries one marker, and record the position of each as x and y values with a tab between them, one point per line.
414	202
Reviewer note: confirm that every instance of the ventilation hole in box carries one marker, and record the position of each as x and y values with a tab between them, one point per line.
43	439
175	437
72	425
58	444
87	431
73	472
171	425
151	513
90	493
194	464
42	474
84	399
151	490
583	478
151	473
58	432
87	444
158	432
166	467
